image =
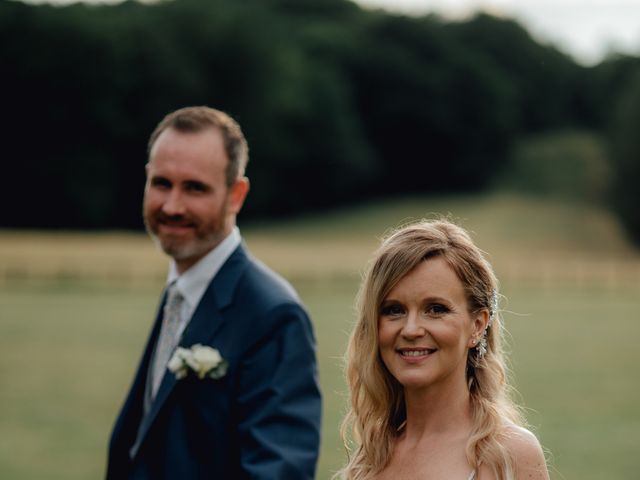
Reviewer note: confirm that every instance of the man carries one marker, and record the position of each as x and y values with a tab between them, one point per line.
251	407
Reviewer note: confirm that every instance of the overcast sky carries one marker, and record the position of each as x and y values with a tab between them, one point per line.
586	29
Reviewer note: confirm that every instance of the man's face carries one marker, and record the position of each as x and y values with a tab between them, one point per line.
188	208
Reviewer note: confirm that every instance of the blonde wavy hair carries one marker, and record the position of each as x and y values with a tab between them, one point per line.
377	410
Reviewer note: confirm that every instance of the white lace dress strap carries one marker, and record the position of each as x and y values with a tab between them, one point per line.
472	476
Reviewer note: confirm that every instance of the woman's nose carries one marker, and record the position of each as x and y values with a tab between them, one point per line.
413	327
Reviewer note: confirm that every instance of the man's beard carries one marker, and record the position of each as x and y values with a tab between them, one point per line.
199	243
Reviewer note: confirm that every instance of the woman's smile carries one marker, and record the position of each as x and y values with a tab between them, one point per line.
415	355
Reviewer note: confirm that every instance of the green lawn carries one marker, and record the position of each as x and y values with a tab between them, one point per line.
68	347
67	356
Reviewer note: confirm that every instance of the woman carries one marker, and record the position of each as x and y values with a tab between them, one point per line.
426	373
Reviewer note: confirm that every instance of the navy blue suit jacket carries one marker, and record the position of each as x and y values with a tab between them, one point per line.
260	421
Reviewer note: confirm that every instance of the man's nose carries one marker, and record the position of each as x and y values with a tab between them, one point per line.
174	203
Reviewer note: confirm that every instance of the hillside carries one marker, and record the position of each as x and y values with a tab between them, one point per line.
525	237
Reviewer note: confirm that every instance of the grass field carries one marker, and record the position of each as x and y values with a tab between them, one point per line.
75	310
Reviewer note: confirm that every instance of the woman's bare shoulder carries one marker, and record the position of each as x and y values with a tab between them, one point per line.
527	454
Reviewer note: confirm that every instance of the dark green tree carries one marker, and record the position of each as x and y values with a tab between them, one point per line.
625	149
338	103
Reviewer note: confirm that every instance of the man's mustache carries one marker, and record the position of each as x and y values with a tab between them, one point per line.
174	220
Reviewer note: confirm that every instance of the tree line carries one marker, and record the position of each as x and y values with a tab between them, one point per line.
339	104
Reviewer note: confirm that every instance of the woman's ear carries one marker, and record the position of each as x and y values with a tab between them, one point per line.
480	322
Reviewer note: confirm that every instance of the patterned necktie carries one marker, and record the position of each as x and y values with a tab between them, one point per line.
168	338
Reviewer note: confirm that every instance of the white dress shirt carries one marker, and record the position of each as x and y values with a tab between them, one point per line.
193	282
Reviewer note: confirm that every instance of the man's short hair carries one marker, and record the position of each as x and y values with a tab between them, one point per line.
196	119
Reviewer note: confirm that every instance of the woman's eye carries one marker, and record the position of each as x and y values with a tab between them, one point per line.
392	310
437	309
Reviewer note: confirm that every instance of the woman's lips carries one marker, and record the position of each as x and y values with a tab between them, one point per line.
415	354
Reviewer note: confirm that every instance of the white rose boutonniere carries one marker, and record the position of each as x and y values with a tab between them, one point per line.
202	360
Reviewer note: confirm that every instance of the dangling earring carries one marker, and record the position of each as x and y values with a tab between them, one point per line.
481	347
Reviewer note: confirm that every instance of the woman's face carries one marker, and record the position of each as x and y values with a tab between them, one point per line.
425	328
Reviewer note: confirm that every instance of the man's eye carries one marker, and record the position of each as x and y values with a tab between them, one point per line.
196	187
160	182
392	310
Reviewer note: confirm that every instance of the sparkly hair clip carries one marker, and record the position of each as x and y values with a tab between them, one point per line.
493	306
481	348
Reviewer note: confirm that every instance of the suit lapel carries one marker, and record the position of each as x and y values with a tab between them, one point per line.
202	327
126	428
